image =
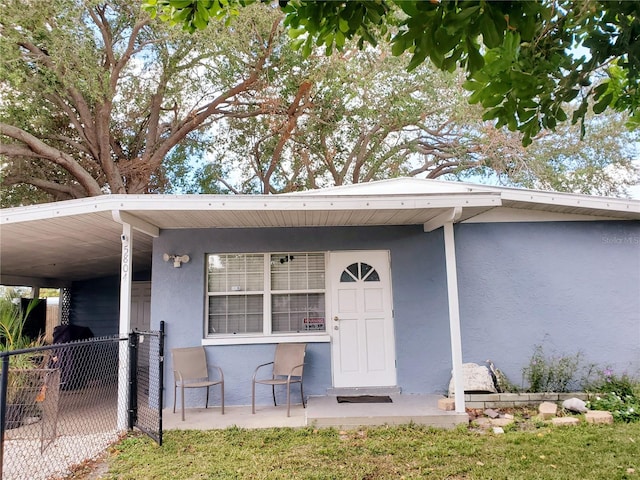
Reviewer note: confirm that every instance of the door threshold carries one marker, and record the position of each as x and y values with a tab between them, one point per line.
351	391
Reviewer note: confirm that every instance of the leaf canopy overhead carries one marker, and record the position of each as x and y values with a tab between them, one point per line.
523	60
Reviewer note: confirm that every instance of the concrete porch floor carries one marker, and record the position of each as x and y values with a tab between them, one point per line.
321	411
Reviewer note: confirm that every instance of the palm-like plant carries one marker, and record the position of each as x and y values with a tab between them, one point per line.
21	384
12	320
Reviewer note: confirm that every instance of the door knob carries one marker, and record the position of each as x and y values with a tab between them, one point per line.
335	319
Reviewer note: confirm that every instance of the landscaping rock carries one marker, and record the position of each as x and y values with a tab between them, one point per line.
483	422
547	410
447	404
575	405
491	413
598	416
565	421
501	422
498	430
476	379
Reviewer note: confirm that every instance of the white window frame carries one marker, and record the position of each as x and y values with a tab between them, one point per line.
266	336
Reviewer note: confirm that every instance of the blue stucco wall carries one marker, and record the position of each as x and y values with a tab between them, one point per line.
178	298
572	286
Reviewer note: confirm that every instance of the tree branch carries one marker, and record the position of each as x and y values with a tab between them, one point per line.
126	56
44	151
57	190
195	120
103	25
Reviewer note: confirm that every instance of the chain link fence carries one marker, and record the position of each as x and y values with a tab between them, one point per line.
146	353
64	404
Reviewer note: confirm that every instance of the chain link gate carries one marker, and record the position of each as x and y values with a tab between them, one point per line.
146	381
64	404
60	405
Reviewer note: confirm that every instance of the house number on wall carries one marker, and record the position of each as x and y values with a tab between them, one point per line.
125	260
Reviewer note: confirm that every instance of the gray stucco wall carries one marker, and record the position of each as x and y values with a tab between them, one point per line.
569	286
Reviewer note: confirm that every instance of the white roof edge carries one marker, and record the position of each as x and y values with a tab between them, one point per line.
463	194
129	203
572	200
461	187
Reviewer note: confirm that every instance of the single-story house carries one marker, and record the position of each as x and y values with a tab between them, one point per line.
391	284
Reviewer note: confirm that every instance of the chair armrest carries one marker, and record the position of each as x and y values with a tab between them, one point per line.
292	370
259	367
219	371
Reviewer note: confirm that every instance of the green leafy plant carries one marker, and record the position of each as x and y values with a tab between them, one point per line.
555	373
607	381
12	321
624	408
618	394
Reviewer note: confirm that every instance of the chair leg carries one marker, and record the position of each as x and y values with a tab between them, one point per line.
253	397
222	396
175	392
273	391
288	399
302	395
206	405
182	400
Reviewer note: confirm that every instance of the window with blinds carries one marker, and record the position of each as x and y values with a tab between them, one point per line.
265	293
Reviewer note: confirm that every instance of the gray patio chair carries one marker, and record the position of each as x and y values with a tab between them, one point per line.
288	365
190	370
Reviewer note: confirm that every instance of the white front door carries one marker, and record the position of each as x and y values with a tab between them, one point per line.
141	306
361	321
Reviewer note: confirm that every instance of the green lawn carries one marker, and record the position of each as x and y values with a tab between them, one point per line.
582	452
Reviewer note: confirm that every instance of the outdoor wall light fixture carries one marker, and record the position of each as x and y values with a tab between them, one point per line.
177	259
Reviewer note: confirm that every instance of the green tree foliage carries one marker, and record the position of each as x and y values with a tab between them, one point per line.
523	60
361	116
97	98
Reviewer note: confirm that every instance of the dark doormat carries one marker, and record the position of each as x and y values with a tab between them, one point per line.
365	399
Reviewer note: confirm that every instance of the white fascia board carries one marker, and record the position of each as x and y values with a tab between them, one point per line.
511	215
132	203
322	202
572	200
319	203
60	209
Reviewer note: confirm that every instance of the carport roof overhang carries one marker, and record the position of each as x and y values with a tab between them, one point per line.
57	243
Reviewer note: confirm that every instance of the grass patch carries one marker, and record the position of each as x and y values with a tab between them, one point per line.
411	451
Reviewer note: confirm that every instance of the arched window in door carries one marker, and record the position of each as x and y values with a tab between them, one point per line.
359	271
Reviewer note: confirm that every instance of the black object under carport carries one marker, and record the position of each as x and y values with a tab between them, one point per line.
74	370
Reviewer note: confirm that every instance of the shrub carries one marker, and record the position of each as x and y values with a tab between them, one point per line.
607	381
551	374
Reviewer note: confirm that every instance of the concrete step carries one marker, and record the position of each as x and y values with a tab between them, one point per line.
325	411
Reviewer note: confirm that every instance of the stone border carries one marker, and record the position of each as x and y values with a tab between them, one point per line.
509	400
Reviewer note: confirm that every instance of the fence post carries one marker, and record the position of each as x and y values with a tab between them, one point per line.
133	379
160	379
4	382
